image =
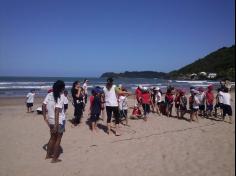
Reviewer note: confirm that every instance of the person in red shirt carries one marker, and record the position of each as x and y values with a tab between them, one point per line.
146	101
138	93
169	100
209	100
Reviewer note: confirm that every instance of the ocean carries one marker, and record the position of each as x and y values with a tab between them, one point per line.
20	86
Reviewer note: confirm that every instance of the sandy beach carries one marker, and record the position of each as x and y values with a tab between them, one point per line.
159	147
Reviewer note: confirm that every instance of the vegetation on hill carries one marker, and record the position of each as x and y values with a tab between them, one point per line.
221	62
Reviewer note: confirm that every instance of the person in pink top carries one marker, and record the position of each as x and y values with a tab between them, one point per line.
209	100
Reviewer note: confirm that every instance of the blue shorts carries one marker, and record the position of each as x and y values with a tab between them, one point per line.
209	107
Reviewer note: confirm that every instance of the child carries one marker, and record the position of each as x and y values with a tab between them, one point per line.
177	103
227	109
209	100
219	103
95	108
158	100
182	104
123	106
202	99
30	101
169	100
146	101
194	105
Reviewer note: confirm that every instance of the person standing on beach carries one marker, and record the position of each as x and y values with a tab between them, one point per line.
146	102
85	87
183	103
202	99
54	104
169	101
177	103
95	108
78	102
123	106
194	103
227	109
138	93
111	92
209	100
30	101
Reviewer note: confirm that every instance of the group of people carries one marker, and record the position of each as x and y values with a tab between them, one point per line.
113	100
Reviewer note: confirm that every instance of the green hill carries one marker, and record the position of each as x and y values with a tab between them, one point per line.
221	62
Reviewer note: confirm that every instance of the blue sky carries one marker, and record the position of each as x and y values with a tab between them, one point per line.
89	37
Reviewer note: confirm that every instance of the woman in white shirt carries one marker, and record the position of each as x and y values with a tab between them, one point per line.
111	92
54	104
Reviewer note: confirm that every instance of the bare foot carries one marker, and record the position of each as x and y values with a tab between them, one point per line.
48	157
55	160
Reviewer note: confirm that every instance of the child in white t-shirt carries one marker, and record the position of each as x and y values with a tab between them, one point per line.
226	99
30	100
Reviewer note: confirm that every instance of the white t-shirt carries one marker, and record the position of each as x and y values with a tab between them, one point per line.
220	97
123	104
66	101
158	97
196	102
30	97
51	105
201	98
110	96
85	87
226	97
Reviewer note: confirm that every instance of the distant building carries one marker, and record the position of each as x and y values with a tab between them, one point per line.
212	75
193	76
203	74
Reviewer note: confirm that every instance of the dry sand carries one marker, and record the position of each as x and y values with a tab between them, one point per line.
159	147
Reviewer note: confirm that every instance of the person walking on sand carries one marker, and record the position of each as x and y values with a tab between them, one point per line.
30	100
78	102
111	92
54	104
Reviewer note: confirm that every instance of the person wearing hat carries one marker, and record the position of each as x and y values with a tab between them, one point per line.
111	92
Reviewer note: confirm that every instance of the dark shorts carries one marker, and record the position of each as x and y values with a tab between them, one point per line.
194	109
182	108
202	107
123	113
209	107
115	111
146	108
29	105
65	107
219	105
61	128
94	117
227	110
